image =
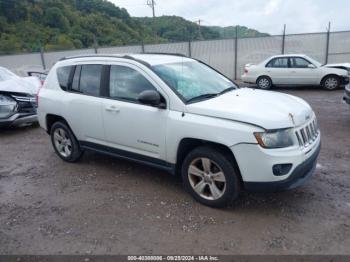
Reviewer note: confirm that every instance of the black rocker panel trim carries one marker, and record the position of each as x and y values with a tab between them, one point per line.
150	161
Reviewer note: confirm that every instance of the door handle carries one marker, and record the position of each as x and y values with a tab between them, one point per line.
112	109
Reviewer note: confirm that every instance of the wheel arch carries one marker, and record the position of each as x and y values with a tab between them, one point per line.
328	75
265	75
188	144
51	119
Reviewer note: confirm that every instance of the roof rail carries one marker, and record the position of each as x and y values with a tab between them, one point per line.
129	56
93	55
125	56
164	53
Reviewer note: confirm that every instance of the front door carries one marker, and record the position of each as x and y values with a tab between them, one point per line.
130	125
303	72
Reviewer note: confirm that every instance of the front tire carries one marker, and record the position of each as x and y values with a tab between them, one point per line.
330	82
209	175
264	82
64	142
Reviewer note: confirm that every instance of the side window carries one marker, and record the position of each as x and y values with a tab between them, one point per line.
90	77
127	83
63	76
297	62
281	62
76	78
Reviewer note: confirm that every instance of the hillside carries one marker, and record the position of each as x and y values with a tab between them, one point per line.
64	24
27	25
175	28
230	31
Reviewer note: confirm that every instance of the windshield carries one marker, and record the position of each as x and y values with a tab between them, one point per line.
6	74
193	79
315	62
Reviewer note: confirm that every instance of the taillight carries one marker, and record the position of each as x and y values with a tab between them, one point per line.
37	97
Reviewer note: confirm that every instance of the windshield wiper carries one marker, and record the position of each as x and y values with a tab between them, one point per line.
211	95
202	97
227	90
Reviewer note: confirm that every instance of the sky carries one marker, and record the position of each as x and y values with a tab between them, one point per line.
300	16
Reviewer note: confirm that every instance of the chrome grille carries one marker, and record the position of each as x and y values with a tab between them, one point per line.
308	133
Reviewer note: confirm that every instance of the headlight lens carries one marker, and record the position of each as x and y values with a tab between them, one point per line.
275	139
7	106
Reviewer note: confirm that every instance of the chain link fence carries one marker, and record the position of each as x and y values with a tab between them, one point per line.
227	55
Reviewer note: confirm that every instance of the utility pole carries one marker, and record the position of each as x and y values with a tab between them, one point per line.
327	42
95	43
283	38
236	51
199	28
152	3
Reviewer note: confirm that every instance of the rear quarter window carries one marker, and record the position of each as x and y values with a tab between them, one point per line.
63	74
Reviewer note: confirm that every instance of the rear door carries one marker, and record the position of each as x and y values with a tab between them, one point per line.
85	103
301	73
279	71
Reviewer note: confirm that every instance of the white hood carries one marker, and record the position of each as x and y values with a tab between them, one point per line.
28	85
339	65
267	109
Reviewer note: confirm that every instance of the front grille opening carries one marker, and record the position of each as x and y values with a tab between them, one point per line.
308	134
303	136
299	139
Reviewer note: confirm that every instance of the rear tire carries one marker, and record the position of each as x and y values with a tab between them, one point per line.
64	142
264	82
210	177
331	82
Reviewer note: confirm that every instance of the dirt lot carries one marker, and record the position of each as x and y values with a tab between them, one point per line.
105	205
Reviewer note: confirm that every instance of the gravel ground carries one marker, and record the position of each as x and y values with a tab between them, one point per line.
103	205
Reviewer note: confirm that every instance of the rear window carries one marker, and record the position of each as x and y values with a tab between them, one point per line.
278	63
63	76
90	76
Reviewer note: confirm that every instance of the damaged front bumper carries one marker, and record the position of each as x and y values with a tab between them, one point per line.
18	119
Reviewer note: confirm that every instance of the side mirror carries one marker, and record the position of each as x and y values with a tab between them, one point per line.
311	66
151	98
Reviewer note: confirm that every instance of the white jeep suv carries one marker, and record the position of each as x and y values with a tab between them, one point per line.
178	114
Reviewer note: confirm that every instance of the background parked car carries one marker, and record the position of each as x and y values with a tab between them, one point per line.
36	71
17	98
296	70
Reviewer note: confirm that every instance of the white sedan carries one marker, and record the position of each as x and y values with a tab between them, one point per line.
295	70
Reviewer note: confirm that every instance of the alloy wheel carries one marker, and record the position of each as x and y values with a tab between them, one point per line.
62	142
207	178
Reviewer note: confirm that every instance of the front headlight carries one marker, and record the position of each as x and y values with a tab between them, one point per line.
275	139
7	106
